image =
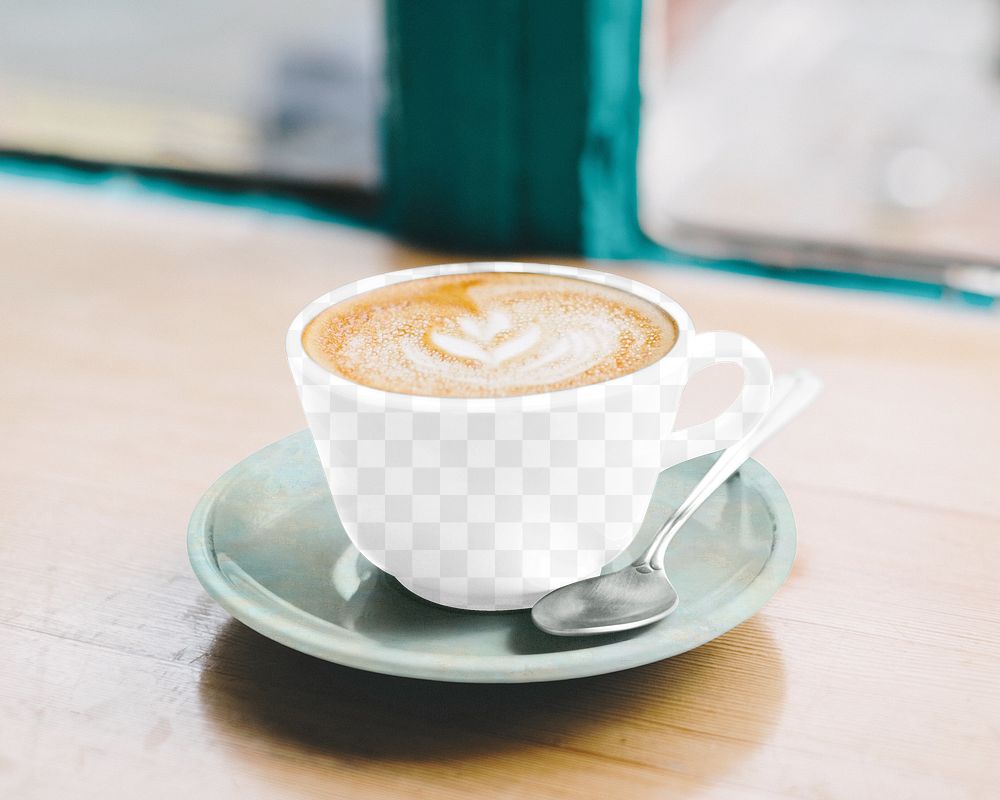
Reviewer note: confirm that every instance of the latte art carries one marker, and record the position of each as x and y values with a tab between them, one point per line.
479	335
489	334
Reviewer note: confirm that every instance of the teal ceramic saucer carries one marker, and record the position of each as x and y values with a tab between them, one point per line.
266	544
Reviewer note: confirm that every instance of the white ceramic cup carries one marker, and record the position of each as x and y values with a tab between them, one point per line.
489	503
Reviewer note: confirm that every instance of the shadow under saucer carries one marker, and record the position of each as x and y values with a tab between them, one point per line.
694	711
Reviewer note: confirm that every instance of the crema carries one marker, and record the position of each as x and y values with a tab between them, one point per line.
489	334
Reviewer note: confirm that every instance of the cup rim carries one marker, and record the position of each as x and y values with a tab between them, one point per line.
313	373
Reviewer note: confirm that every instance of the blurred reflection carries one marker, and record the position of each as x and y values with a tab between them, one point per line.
286	90
865	122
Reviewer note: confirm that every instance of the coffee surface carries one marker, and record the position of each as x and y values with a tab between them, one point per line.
489	334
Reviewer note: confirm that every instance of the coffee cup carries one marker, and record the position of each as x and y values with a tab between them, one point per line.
488	503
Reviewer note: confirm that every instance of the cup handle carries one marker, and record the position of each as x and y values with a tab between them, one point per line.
725	347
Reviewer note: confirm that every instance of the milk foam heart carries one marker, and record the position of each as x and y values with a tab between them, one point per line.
489	334
478	336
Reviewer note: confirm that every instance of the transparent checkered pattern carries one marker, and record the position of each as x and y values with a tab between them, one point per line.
489	503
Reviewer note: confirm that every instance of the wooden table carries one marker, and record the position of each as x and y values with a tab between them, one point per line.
143	355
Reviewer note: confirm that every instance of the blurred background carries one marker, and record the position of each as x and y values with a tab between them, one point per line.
854	136
289	91
178	179
869	124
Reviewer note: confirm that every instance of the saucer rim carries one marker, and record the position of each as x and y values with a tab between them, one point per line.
325	640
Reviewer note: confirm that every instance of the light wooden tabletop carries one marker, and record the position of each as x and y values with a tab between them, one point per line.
142	344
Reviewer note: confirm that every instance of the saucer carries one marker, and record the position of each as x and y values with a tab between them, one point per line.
266	543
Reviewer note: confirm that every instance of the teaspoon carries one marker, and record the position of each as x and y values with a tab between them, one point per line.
640	594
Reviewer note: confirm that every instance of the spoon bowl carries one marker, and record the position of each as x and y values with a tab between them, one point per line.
630	598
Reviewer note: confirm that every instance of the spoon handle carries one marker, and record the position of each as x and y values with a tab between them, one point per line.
792	393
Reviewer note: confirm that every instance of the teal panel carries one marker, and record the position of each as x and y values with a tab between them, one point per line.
555	94
452	121
127	182
513	124
610	214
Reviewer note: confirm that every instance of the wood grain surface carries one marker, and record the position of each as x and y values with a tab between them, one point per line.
142	345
